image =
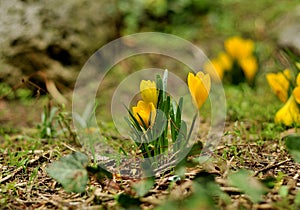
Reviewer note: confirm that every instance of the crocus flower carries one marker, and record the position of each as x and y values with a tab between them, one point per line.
215	69
296	91
289	113
279	82
239	48
241	51
225	61
199	86
149	92
143	111
249	66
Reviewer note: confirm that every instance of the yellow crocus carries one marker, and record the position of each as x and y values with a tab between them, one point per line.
215	69
149	92
225	61
143	111
249	67
296	91
239	48
199	86
279	82
289	113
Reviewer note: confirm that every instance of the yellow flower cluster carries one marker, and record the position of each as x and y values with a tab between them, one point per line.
280	84
239	51
145	111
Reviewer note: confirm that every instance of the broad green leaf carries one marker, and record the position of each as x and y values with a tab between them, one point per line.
247	184
269	182
143	187
292	143
128	201
196	149
283	191
70	171
99	171
297	198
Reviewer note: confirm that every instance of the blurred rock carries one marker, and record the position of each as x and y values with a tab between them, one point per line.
289	31
56	37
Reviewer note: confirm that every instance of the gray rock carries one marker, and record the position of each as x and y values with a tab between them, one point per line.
289	31
56	37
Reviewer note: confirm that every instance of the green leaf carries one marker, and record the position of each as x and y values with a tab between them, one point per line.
269	182
196	149
178	112
283	191
70	171
297	198
99	171
128	201
247	184
192	126
165	80
292	143
206	189
143	187
161	93
135	121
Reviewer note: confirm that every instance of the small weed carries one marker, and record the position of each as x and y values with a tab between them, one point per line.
56	122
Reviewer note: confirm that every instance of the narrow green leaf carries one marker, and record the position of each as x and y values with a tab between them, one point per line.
136	123
161	93
172	124
70	171
179	110
192	127
181	140
165	80
143	123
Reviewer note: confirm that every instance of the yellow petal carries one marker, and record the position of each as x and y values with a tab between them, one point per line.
225	61
287	73
199	86
205	80
296	93
289	113
149	92
279	82
249	66
239	48
215	70
143	111
298	79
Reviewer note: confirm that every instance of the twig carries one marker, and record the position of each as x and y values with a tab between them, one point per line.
271	166
231	190
69	147
228	167
90	199
50	201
